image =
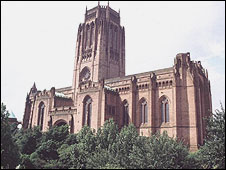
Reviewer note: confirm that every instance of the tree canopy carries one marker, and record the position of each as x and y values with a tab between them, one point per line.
9	151
108	148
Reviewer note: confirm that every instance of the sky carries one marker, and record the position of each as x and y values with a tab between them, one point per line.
38	42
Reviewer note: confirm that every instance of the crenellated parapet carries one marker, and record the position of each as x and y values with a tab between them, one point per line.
89	86
182	61
63	110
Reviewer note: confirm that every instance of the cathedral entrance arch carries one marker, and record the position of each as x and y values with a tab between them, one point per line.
60	122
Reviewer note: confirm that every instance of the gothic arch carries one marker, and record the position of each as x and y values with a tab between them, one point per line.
164	96
60	122
87	110
85	74
125	112
164	105
41	111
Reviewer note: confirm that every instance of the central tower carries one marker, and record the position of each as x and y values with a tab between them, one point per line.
100	47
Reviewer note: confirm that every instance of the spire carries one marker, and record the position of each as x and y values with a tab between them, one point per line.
27	98
119	12
34	86
108	3
86	8
33	89
98	3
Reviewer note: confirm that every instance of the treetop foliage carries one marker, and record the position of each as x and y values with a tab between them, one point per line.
110	148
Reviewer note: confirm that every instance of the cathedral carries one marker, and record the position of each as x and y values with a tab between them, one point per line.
174	99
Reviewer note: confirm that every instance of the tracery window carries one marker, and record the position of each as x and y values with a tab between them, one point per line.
85	74
144	112
165	110
41	115
87	111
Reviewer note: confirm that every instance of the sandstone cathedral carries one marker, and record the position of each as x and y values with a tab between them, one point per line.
174	99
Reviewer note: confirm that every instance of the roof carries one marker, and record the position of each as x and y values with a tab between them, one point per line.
58	94
109	88
117	79
11	115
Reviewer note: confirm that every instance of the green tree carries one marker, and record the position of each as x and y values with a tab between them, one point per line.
57	134
125	141
102	157
48	150
140	153
212	153
47	155
158	151
25	162
68	156
28	140
166	152
71	139
106	135
85	147
9	150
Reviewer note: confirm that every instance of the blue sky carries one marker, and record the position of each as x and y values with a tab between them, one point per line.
38	42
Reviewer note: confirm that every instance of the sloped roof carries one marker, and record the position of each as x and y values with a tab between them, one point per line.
11	115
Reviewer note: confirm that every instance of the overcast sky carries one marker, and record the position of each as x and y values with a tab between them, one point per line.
38	42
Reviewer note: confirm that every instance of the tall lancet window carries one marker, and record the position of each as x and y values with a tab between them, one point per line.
116	38
111	35
87	111
91	33
125	113
87	35
41	109
165	110
144	111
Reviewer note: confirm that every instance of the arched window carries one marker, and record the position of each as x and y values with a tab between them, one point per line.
41	114
144	111
85	74
165	110
60	122
87	111
125	113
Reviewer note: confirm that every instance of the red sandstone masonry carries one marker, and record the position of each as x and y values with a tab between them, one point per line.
99	72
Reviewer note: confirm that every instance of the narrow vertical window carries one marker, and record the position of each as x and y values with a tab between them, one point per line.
125	113
144	112
89	114
41	115
165	110
162	112
87	111
91	34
